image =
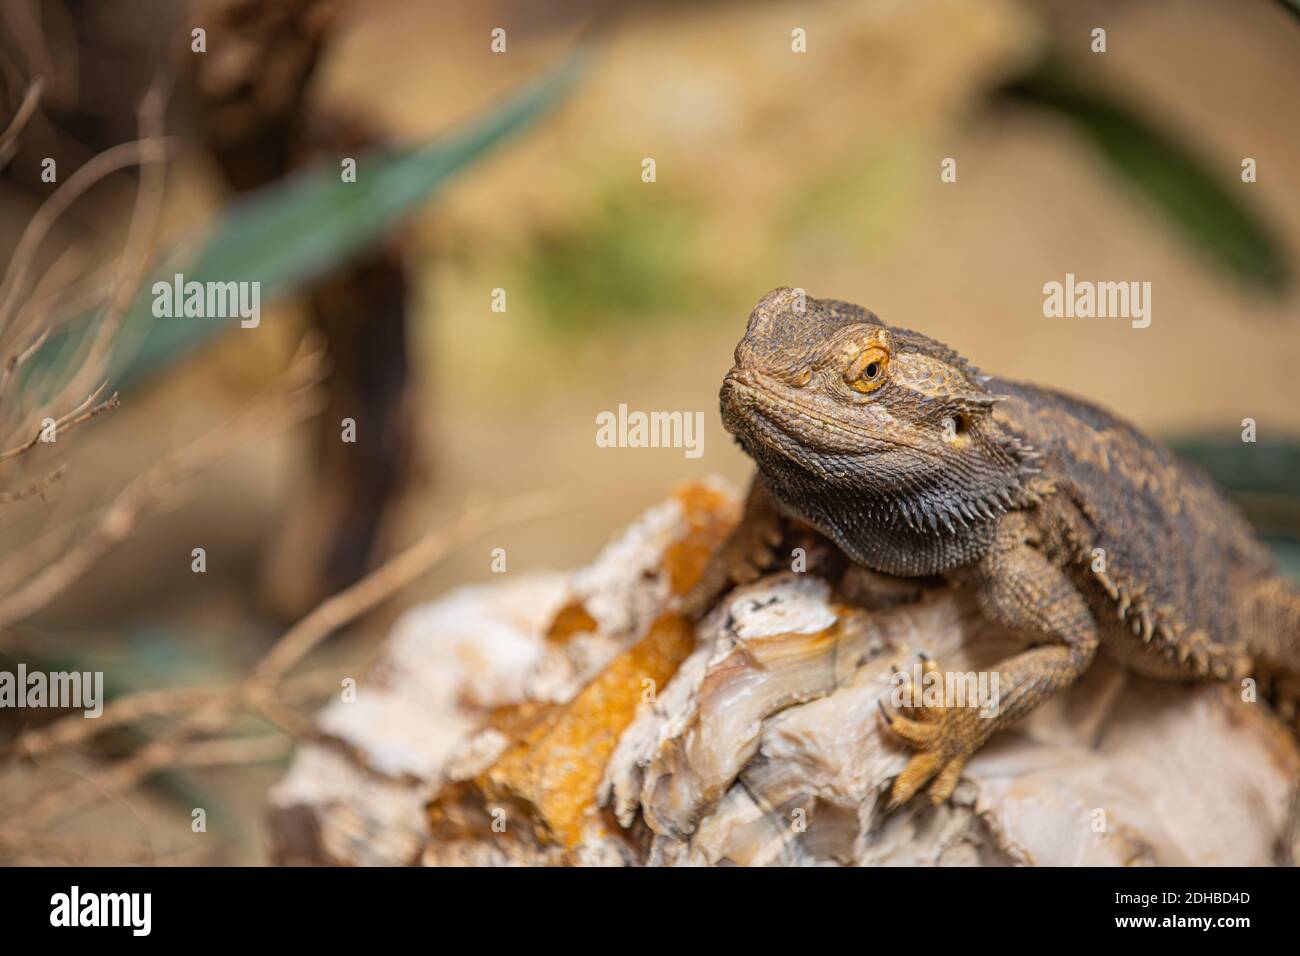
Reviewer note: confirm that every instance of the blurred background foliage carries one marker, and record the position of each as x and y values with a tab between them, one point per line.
632	259
522	171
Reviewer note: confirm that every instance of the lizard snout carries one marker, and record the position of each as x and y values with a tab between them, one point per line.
737	395
739	386
740	376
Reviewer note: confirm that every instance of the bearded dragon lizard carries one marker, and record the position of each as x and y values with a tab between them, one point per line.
1072	528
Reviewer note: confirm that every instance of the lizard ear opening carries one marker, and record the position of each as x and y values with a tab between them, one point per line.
953	428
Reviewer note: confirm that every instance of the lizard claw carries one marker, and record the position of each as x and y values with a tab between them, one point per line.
889	721
943	733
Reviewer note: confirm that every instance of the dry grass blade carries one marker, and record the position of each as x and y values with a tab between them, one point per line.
79	415
395	574
9	138
110	161
19	359
133	264
289	401
37	487
212	710
143	706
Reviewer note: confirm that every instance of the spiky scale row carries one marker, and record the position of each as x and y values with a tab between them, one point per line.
1160	628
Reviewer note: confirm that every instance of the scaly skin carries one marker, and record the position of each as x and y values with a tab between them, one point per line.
1072	528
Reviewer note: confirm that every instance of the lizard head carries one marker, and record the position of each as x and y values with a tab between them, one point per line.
825	397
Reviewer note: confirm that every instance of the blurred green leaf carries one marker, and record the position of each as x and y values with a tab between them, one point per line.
139	658
1164	171
1263	479
1263	467
299	228
1287	553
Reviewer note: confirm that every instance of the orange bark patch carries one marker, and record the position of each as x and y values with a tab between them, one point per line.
557	767
571	619
548	778
515	720
710	515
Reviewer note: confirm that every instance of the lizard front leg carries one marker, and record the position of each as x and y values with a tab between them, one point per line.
748	550
1022	590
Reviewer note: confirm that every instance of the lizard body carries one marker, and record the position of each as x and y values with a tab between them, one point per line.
1072	528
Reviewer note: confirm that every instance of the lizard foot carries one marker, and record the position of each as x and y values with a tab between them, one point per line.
944	733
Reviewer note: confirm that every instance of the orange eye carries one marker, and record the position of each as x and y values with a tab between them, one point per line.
867	373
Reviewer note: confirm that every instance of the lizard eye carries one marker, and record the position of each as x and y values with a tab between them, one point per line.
805	378
867	371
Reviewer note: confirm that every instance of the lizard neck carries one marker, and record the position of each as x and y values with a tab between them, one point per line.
912	533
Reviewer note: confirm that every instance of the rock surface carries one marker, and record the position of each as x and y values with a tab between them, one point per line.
571	719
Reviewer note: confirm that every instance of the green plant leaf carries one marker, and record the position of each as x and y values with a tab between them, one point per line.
299	228
1262	467
1263	479
1167	173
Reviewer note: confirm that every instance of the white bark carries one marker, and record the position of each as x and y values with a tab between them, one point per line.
763	748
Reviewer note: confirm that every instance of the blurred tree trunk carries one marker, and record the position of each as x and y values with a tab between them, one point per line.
254	114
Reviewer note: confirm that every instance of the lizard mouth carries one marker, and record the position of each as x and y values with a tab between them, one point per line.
760	410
